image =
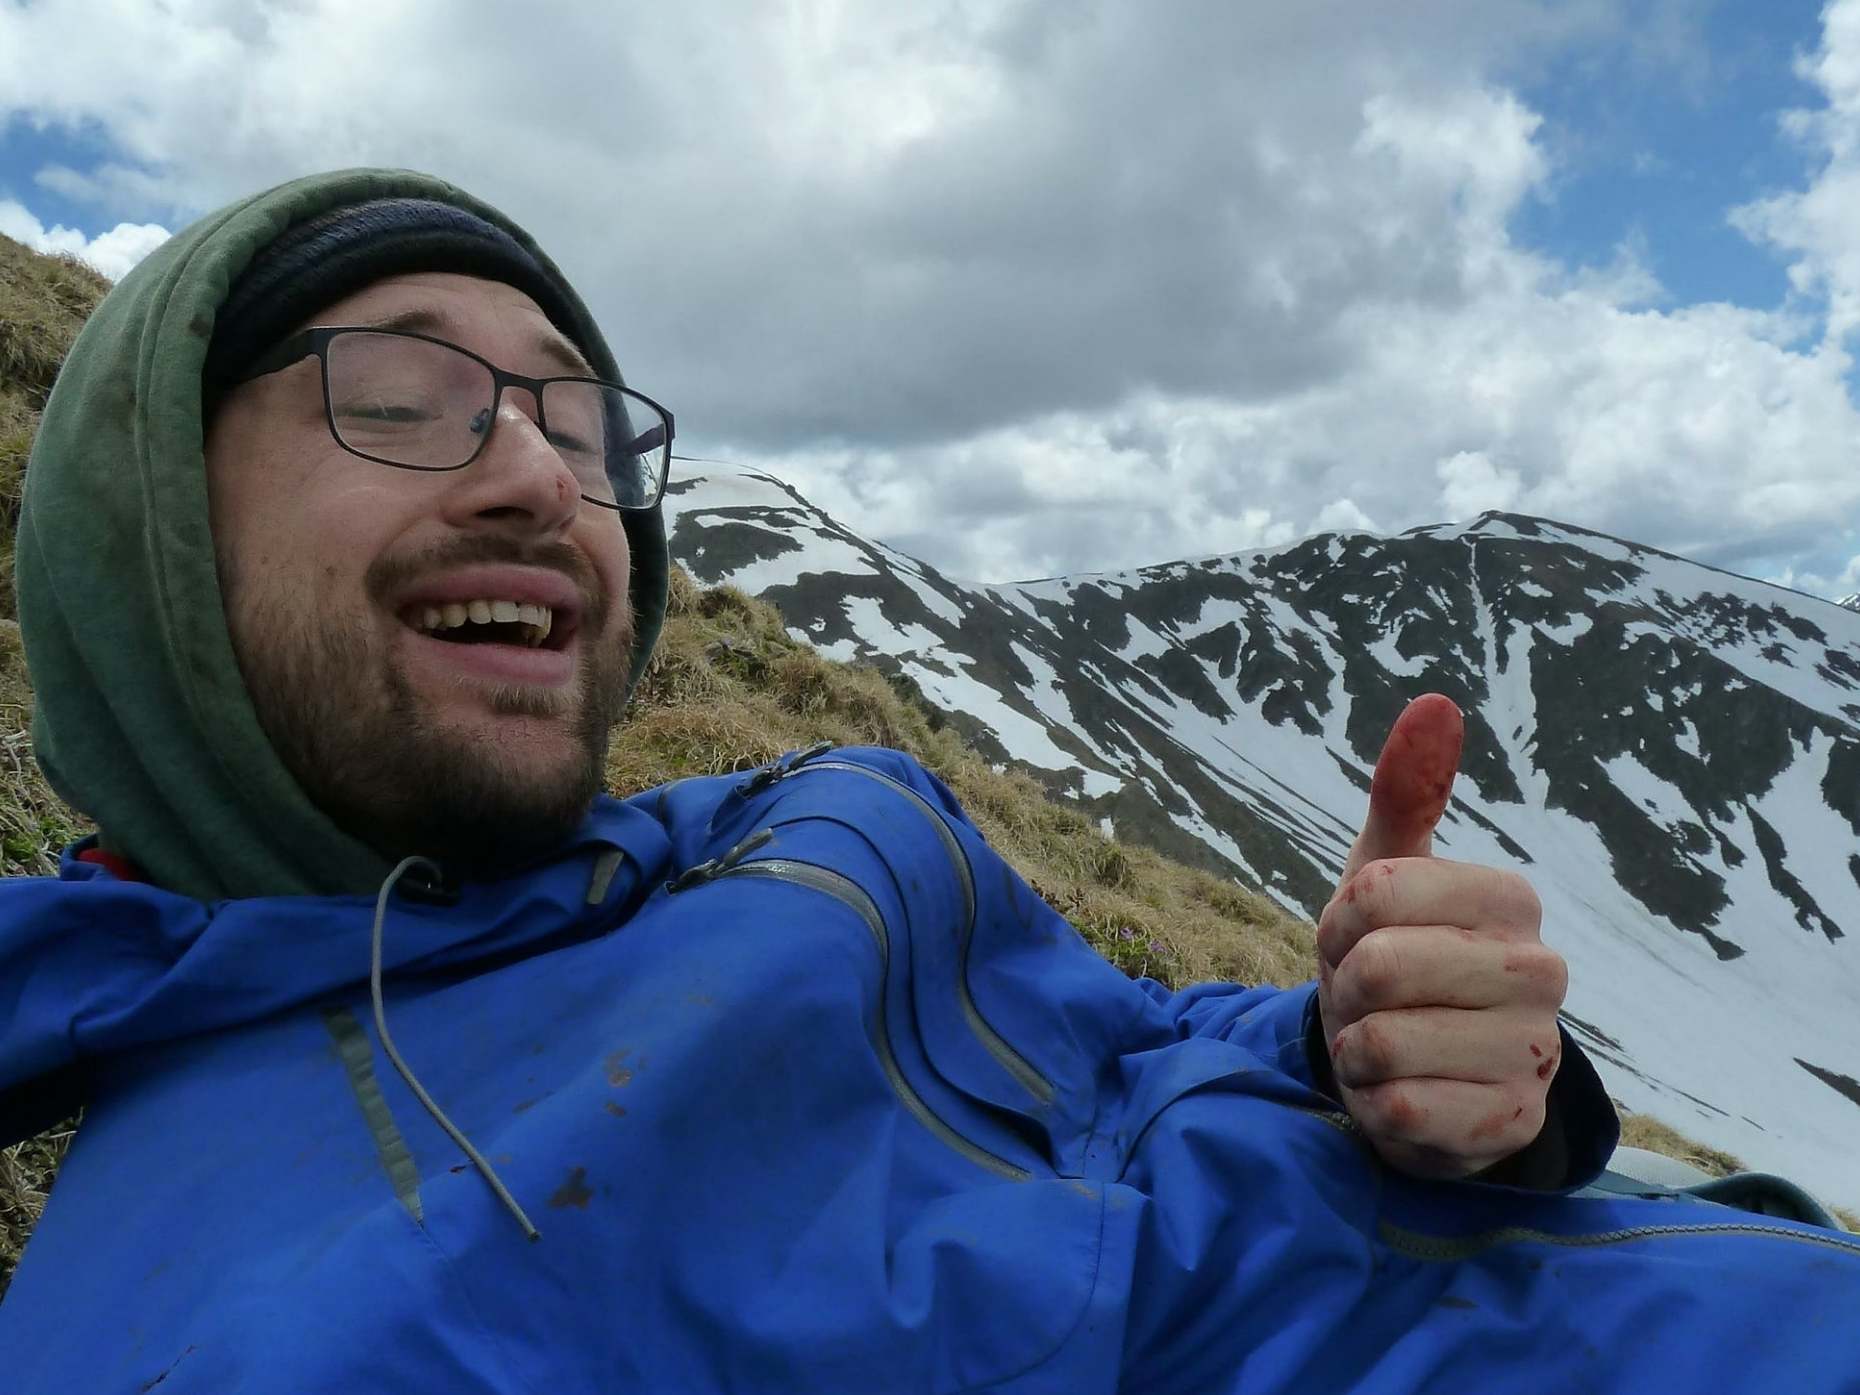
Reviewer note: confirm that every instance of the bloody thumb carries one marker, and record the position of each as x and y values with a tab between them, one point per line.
1413	781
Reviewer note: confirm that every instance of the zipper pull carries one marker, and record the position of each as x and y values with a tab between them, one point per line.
717	866
781	769
814	752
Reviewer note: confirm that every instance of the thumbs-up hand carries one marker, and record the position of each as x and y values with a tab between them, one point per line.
1438	999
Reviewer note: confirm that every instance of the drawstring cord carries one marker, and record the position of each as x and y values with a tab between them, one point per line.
387	1044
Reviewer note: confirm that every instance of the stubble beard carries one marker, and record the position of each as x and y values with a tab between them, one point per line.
374	756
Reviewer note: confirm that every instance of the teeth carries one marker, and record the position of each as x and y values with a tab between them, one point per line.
537	620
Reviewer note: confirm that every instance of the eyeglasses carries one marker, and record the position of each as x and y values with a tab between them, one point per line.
419	403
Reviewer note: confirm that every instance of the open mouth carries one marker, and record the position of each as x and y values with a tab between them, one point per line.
521	624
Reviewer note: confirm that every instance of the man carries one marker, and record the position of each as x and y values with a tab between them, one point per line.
341	549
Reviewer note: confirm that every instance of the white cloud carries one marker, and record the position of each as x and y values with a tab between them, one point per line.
1471	145
1814	225
1841	584
112	252
1470	484
1044	285
1342	515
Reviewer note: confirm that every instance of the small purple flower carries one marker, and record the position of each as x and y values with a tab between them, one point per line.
1127	933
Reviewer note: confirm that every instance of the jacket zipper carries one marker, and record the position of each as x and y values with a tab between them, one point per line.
1010	1060
1419	1245
852	895
1338	1119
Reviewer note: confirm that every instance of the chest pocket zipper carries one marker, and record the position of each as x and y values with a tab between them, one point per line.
850	894
1010	1060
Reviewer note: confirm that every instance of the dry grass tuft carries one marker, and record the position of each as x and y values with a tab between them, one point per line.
26	1173
44	301
1642	1131
35	824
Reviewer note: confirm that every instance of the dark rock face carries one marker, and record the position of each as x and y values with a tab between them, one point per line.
1571	653
1846	1084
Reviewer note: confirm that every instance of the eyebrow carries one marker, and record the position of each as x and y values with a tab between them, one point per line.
421	320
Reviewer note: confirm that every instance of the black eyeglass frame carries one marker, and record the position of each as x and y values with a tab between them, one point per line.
316	342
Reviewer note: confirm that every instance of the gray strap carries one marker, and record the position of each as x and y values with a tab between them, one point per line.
604	868
357	1055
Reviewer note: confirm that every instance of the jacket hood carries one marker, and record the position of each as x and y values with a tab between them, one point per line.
142	717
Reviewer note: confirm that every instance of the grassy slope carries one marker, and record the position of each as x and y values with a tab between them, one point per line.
43	300
727	690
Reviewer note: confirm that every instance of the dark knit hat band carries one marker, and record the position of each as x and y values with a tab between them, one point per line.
319	262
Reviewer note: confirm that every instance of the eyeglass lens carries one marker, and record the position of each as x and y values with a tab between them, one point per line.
415	403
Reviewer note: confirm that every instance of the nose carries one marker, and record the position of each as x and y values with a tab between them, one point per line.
519	481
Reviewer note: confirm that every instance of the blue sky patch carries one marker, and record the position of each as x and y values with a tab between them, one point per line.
1657	155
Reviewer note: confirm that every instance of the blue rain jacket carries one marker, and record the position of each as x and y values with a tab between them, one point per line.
805	1090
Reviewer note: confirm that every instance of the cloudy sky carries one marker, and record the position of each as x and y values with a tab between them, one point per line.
1039	286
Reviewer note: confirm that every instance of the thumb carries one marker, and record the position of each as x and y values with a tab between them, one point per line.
1413	781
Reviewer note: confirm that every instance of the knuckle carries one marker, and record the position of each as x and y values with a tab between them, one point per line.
1556	977
1375	890
1371	1049
1518	899
1371	975
1393	1110
1541	969
1330	936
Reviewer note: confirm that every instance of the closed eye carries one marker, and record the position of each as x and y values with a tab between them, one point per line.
384	412
570	443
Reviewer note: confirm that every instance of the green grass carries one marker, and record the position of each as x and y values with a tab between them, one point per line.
727	690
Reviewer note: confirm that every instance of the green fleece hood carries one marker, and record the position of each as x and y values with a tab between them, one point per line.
142	717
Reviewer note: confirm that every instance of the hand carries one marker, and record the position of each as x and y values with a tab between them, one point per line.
1439	1000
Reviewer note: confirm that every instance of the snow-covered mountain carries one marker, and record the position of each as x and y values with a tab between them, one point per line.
1672	753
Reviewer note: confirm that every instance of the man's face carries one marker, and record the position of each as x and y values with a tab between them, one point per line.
451	743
